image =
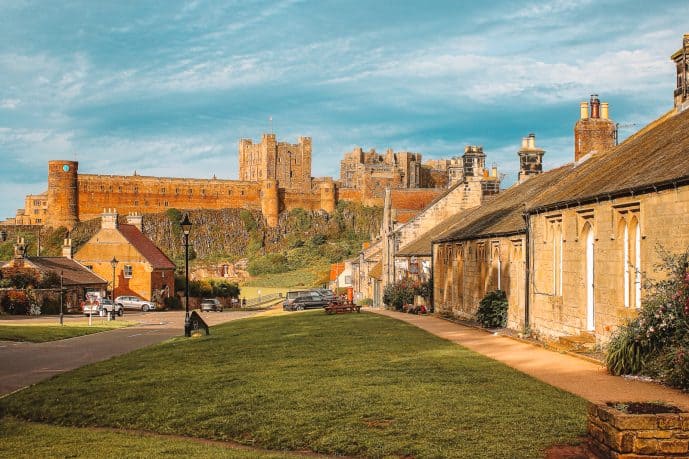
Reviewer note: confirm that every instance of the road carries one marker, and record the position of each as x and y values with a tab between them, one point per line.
24	364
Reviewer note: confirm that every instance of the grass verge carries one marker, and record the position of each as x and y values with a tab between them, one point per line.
53	441
41	333
356	384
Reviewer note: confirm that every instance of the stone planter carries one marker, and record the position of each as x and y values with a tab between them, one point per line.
614	433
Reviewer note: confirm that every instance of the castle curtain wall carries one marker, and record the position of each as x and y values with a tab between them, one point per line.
153	194
661	220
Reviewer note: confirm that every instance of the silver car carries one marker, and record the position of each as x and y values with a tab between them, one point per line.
211	304
134	302
102	304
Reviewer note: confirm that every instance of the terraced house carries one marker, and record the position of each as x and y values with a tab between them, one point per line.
572	246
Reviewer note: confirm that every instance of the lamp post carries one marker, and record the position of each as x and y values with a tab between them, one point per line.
113	263
186	228
62	294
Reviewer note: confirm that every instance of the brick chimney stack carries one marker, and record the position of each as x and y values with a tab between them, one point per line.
594	131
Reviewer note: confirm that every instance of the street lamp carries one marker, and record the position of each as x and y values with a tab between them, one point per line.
62	294
186	228
113	263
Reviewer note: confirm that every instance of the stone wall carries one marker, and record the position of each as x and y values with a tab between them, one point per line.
663	221
465	271
614	434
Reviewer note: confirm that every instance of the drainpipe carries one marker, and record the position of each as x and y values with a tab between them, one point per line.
527	271
431	306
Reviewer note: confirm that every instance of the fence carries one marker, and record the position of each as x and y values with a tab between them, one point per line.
262	299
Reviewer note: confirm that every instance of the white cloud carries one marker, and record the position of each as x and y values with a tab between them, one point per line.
10	104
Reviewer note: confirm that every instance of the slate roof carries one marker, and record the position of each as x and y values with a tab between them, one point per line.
73	273
502	215
653	158
145	247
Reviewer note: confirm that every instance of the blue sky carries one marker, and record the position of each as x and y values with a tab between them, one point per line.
168	88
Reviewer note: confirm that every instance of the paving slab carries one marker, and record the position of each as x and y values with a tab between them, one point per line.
586	379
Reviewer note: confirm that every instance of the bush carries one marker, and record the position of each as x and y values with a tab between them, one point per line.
656	343
492	311
51	279
224	289
397	295
172	303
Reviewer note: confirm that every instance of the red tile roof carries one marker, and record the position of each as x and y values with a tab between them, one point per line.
146	247
73	273
335	270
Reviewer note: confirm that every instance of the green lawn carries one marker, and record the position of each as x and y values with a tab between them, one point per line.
40	333
355	384
291	280
20	439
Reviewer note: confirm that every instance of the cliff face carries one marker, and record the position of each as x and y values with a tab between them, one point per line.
228	234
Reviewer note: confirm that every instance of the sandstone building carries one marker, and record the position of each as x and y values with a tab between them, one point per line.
571	246
142	269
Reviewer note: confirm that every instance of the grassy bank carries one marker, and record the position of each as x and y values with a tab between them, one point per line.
41	333
357	384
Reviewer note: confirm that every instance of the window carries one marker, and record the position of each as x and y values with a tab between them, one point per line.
162	190
555	233
629	232
136	189
166	203
119	189
127	271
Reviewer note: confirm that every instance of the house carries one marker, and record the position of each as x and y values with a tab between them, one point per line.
341	275
572	246
76	279
142	269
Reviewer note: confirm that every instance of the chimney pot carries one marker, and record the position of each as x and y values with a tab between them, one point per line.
604	110
584	110
595	106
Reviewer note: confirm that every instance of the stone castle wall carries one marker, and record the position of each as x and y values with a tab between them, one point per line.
289	164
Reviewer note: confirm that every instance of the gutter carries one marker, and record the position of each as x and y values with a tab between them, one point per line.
654	187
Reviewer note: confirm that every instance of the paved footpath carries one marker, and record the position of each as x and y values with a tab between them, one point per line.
23	364
580	377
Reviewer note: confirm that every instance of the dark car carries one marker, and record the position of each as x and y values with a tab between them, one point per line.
290	297
308	300
327	294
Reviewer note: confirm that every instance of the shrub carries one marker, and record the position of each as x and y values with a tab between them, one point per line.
172	303
492	310
248	220
318	239
397	295
51	279
224	289
656	343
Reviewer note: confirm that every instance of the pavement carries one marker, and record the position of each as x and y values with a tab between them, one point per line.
23	364
581	377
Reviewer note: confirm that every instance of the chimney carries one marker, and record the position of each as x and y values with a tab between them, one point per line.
136	219
681	58
583	110
604	110
595	106
525	143
109	219
530	159
19	253
67	248
494	171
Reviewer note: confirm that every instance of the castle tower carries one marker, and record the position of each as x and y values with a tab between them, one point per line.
328	195
681	58
594	131
530	158
270	203
63	194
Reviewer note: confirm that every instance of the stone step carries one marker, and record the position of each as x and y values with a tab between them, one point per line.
584	341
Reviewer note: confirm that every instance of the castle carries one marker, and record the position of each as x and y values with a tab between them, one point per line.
273	177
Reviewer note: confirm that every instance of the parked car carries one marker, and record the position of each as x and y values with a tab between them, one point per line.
134	302
291	296
308	300
102	304
211	304
327	294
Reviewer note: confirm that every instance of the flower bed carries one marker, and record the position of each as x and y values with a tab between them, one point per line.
638	430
